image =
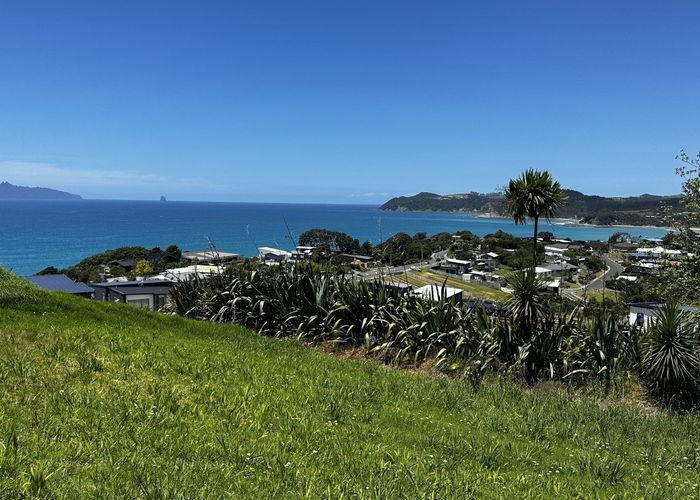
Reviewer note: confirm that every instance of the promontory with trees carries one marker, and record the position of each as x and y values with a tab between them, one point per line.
641	210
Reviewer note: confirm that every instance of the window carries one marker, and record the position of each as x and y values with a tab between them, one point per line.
142	301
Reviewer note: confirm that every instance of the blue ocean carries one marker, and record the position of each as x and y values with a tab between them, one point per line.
36	234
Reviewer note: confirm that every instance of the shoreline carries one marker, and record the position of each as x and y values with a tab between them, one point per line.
557	221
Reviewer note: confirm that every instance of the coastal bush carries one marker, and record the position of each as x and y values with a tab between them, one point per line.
532	336
670	358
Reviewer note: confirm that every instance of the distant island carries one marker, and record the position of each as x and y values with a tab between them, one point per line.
11	192
162	198
644	210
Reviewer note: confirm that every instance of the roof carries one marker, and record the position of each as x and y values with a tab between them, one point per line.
458	261
131	284
147	289
560	266
488	255
59	283
659	305
207	255
480	273
125	262
627	278
437	292
274	251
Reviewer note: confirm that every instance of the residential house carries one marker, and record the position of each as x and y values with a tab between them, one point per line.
644	313
61	283
302	253
655	253
150	294
189	272
561	269
554	287
543	272
487	261
127	264
556	248
269	255
456	266
210	257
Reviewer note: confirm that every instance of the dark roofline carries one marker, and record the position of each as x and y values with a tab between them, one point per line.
132	283
59	283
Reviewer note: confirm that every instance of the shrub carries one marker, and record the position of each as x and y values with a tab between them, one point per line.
670	360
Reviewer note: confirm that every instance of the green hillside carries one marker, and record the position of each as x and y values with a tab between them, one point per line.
634	210
105	401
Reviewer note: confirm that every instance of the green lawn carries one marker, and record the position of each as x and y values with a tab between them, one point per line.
104	401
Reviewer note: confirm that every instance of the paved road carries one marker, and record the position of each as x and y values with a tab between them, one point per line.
613	271
388	270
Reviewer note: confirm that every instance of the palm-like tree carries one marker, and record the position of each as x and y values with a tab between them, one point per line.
534	194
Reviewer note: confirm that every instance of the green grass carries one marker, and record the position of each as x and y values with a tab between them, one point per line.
101	400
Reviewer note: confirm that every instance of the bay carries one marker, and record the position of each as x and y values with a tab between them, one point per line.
36	234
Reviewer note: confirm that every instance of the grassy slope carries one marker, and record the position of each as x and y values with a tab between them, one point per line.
109	401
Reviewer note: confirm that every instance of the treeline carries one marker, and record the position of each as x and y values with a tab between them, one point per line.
403	249
90	269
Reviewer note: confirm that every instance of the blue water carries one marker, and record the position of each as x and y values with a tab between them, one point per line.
36	234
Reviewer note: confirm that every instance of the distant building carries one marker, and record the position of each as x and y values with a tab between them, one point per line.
655	253
210	257
126	264
61	283
270	255
438	292
149	294
554	286
185	273
561	269
456	266
644	313
487	261
556	248
302	253
543	272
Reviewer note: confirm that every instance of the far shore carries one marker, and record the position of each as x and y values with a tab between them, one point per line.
556	221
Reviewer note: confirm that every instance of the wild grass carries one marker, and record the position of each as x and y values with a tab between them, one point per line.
104	401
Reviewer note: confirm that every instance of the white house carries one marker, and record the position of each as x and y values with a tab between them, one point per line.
302	253
487	261
209	257
654	253
270	255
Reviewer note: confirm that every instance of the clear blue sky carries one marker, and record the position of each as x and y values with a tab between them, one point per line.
348	102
